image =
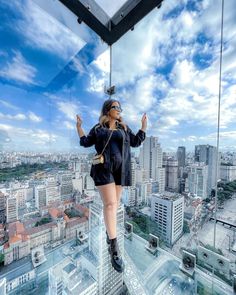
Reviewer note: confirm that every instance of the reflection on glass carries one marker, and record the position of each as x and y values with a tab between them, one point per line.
52	233
109	7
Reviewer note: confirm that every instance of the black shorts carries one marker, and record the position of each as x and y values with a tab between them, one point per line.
114	174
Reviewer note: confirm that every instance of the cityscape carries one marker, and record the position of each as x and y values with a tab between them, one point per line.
52	234
176	223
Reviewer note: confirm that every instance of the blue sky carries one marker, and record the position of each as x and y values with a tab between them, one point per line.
51	68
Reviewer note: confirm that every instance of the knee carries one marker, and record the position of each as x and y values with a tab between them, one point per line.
110	205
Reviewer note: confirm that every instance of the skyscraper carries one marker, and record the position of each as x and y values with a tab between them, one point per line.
197	179
171	172
207	154
167	210
52	190
151	158
2	207
181	154
133	171
11	209
110	282
40	196
66	186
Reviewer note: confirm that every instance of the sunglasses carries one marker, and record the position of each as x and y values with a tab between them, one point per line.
117	108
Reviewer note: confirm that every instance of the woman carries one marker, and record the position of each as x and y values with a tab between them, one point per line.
115	172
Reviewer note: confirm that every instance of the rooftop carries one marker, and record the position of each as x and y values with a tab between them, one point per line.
168	196
158	274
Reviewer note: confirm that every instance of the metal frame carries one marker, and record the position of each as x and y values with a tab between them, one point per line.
111	29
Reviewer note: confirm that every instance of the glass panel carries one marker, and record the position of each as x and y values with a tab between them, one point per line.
111	7
47	48
52	229
168	77
225	201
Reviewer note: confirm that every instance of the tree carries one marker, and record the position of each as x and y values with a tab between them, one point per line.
186	227
127	210
1	258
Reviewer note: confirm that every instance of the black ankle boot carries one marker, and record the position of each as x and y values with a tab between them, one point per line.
116	259
108	239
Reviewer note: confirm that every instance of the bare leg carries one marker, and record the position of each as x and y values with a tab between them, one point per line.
108	195
118	194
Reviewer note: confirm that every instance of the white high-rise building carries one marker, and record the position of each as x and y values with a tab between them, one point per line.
156	160
151	159
133	171
88	182
11	209
52	190
147	159
141	193
68	278
228	173
207	154
129	196
66	186
141	175
78	182
40	196
171	166
110	281
161	177
2	207
167	210
197	179
21	195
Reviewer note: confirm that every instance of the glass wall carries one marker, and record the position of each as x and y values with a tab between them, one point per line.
169	68
180	206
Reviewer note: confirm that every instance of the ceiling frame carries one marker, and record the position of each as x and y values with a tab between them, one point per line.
111	29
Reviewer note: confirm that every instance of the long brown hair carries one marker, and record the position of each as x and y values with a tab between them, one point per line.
104	119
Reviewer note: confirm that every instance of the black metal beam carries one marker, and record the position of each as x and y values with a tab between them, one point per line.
89	12
129	15
111	30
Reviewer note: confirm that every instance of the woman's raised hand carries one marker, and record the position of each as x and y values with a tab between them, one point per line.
144	122
79	121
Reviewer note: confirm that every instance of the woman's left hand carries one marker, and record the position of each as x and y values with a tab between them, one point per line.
144	122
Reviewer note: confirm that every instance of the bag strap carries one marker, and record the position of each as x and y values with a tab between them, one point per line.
107	142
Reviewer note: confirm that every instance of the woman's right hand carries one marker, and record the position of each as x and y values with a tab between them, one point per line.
79	121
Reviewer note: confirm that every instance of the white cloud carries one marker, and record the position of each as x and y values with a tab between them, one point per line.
136	103
44	136
69	125
188	96
97	84
191	94
223	135
18	69
8	105
28	135
209	138
20	117
33	117
5	127
17	117
183	73
69	109
51	35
